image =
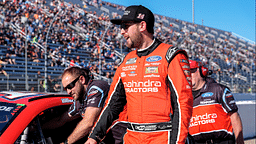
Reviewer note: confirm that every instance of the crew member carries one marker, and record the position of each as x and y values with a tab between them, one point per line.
215	119
89	98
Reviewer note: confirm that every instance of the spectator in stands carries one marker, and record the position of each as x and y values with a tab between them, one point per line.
9	59
35	57
1	39
39	21
108	75
3	61
40	78
56	85
3	71
89	96
215	102
50	84
53	62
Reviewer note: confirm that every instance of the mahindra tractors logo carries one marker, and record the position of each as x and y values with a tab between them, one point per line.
147	83
146	86
203	119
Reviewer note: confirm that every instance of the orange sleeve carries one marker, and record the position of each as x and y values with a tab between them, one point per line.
181	96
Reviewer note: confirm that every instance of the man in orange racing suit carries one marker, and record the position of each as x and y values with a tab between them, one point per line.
155	83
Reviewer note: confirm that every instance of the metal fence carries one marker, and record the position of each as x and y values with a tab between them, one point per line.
18	83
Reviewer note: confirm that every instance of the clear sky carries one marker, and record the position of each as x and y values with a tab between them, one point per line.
236	16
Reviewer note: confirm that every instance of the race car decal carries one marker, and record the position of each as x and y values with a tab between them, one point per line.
8	112
66	100
18	95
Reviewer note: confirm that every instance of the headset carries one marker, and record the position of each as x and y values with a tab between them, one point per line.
204	71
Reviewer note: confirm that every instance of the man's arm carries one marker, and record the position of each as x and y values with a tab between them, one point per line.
85	125
181	96
237	127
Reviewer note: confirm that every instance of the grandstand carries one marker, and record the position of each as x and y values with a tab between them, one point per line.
81	28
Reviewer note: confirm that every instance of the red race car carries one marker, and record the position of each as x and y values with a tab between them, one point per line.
22	115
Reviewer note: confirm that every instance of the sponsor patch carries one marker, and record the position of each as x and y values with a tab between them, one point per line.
186	72
153	64
188	87
204	119
92	92
123	74
186	67
184	61
152	75
127	68
131	61
207	102
92	100
229	95
151	70
171	51
142	86
132	73
232	102
153	58
208	94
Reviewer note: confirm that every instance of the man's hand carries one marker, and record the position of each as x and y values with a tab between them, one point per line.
91	141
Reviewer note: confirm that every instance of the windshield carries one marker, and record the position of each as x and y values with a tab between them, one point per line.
8	112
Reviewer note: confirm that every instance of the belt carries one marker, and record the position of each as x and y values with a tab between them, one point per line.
149	127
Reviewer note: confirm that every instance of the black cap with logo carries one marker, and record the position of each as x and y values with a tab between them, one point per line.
136	13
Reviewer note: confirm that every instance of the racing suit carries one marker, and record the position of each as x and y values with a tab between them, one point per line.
155	84
211	114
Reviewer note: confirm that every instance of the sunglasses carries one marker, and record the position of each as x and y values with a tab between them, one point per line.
126	25
72	84
193	70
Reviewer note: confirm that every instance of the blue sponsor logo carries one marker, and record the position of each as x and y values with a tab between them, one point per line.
132	72
153	58
207	94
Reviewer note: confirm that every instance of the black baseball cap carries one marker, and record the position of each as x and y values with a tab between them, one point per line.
136	13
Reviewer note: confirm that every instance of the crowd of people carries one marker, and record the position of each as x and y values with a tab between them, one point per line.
38	15
157	102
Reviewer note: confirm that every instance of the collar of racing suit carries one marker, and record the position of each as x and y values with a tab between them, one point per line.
151	48
205	87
